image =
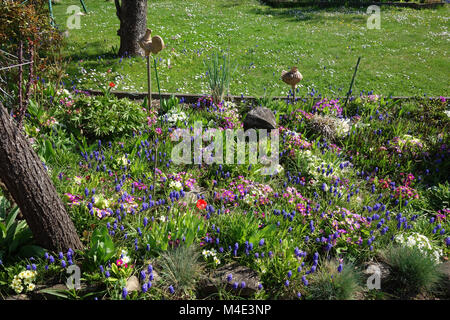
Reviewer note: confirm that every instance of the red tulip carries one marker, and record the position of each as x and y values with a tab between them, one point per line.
201	204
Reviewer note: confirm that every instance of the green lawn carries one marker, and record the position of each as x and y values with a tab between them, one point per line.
407	56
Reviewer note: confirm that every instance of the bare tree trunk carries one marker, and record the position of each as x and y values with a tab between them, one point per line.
22	172
133	23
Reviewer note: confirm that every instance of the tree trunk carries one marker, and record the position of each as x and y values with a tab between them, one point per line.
22	172
133	23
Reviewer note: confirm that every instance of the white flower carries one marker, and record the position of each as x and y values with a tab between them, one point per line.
343	127
420	242
447	112
124	256
31	286
123	161
177	185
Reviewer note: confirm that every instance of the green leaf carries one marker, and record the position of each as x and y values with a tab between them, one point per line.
57	293
31	251
11	218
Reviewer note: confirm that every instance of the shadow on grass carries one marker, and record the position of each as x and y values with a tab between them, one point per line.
312	14
96	50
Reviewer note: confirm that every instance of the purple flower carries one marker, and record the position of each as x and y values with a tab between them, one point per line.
235	285
63	263
144	288
261	242
340	267
229	277
124	293
242	284
171	290
289	274
286	283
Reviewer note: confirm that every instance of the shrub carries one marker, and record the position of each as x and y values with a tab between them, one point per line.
102	116
334	282
411	271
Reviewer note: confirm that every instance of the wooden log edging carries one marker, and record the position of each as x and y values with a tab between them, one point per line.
193	98
325	4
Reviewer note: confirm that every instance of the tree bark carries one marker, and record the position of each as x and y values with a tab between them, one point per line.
133	23
26	179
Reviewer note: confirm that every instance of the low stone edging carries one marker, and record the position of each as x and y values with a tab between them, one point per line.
193	98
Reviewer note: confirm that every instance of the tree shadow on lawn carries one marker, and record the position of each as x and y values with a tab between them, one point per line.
93	50
312	14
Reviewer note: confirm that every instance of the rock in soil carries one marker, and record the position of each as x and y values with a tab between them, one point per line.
218	279
260	118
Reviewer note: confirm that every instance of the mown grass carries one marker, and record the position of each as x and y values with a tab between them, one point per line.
407	56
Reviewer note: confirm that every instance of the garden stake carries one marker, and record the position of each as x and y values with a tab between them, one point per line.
151	45
157	82
149	83
351	83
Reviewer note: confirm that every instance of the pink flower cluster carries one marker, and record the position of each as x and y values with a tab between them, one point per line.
328	107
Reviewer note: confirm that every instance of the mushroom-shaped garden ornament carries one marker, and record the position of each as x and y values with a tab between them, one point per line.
292	78
151	45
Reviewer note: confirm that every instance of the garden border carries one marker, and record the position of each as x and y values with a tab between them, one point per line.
323	4
193	98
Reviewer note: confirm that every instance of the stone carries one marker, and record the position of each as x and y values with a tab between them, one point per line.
218	279
18	297
260	118
444	268
376	276
133	284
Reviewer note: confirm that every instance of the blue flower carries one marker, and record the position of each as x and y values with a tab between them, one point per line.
124	293
289	274
229	277
171	290
144	288
340	267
